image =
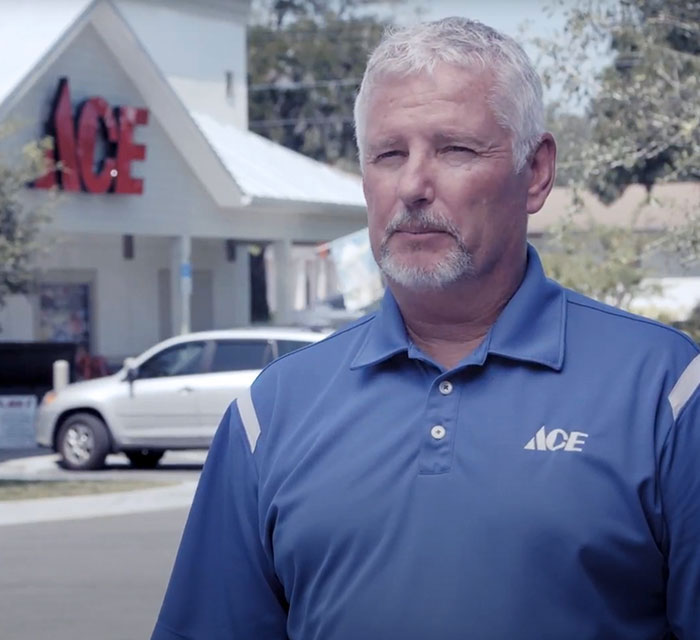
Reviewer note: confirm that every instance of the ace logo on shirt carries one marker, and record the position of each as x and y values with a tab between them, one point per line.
556	440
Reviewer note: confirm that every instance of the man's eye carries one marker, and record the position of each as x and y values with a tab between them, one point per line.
387	154
454	148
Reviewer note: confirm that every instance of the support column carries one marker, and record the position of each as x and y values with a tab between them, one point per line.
181	283
242	287
283	282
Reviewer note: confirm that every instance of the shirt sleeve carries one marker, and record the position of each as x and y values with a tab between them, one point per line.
680	489
223	585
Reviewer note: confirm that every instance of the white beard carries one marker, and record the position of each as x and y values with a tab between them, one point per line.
455	265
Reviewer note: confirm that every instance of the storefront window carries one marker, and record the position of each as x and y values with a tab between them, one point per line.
64	313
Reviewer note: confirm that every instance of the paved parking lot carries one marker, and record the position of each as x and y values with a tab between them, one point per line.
90	566
96	579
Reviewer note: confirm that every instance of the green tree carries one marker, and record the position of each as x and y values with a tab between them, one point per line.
647	119
19	224
642	108
305	62
578	255
643	121
571	131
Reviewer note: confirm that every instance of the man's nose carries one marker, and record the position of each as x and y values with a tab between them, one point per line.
416	184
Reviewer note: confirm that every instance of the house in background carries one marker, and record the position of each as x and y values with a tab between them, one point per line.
666	207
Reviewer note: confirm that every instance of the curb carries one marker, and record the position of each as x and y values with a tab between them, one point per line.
106	504
45	468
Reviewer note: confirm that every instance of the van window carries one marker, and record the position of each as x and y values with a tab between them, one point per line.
285	346
241	355
179	360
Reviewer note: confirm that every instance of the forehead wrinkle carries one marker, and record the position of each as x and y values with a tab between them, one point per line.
384	141
457	135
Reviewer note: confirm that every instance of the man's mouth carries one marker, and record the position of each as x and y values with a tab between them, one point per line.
419	230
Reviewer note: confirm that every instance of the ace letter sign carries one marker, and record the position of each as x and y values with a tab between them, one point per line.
73	162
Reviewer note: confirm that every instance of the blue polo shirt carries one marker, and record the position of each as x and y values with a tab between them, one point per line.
545	488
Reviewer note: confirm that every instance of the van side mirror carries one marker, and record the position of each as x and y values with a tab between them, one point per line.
132	371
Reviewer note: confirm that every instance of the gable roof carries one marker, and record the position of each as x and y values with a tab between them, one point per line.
234	165
264	169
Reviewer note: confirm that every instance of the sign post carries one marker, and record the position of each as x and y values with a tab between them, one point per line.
185	283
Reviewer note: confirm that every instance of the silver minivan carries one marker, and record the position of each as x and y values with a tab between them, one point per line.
170	397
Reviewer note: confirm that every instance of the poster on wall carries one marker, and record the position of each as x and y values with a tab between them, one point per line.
64	313
17	422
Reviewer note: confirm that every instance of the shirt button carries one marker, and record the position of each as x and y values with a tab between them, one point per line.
438	432
445	387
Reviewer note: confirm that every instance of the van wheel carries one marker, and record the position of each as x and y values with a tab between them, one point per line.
144	458
83	442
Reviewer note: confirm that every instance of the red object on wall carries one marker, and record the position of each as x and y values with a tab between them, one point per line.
73	164
65	138
91	112
129	117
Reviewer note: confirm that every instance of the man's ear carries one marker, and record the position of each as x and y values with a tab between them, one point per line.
541	169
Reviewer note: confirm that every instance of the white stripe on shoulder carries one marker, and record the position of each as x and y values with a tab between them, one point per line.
685	387
249	418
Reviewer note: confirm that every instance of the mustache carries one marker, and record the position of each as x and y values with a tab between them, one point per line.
421	220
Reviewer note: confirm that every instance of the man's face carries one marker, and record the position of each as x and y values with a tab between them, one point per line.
444	201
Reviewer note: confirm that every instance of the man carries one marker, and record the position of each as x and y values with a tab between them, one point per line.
490	455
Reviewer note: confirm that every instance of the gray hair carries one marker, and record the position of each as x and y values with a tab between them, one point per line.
516	98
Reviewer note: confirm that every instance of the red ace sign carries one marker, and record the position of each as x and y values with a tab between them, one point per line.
74	166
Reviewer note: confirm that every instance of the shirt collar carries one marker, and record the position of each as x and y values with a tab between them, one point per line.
386	335
530	328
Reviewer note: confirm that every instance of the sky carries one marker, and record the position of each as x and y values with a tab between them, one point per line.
505	15
520	19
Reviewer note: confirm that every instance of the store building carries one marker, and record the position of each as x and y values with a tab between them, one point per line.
159	190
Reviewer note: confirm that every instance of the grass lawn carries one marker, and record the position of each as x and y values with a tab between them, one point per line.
26	489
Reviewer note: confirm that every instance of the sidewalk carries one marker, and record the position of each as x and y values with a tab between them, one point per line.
180	468
95	506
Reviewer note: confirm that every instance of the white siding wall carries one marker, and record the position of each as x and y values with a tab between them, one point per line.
231	284
195	44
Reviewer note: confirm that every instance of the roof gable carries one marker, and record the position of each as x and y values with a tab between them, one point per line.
129	53
235	166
